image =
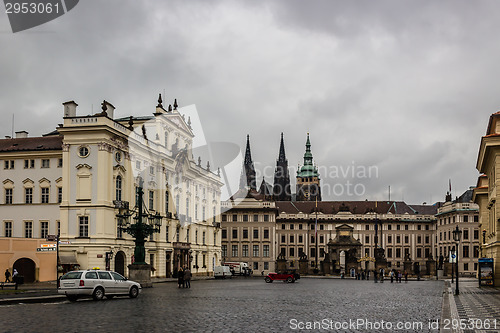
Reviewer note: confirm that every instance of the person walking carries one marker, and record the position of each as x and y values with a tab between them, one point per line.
399	276
7	275
382	272
180	278
187	278
406	276
392	276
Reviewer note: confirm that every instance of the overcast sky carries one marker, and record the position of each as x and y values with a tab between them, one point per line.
403	87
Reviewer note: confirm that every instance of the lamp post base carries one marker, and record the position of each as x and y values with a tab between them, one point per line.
141	273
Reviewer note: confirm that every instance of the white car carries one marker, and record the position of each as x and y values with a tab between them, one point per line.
96	283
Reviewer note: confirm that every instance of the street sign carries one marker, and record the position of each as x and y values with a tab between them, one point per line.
64	242
453	257
47	245
45	249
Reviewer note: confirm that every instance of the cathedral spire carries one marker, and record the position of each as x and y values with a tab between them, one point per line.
281	188
248	173
308	183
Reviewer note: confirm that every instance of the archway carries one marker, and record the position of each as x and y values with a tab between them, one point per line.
26	268
120	262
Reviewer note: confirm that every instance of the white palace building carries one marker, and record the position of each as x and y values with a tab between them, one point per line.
71	182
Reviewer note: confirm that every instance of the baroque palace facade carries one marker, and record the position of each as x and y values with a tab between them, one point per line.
302	231
72	181
486	194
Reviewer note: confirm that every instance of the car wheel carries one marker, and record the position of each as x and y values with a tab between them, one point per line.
134	291
289	280
72	298
110	296
268	279
98	294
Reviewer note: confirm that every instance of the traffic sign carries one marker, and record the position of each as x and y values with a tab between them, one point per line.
453	257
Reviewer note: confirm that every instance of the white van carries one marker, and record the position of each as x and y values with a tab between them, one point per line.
221	272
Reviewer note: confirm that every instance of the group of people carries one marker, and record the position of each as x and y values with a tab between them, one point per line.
398	276
379	275
14	275
184	277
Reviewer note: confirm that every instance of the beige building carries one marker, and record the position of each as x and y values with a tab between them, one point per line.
463	213
91	166
248	231
485	194
404	231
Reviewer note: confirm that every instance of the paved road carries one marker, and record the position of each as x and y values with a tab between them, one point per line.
246	305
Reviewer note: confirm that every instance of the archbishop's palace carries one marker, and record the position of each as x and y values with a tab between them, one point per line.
73	182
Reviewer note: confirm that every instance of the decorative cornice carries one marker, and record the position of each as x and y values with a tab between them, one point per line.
84	165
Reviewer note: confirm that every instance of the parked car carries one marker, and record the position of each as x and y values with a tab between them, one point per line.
290	277
221	272
96	283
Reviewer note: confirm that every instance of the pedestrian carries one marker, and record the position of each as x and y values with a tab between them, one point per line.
399	276
392	276
382	275
375	277
406	276
7	275
180	278
362	275
187	278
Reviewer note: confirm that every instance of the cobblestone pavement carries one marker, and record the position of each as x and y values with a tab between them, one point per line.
244	305
477	309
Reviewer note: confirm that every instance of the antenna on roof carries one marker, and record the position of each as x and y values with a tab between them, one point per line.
12	126
389	192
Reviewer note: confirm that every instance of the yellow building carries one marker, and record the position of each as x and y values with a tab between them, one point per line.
485	194
34	259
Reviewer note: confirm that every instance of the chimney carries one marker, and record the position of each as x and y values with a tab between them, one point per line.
21	134
70	109
110	109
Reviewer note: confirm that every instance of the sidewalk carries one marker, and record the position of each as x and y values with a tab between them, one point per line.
475	307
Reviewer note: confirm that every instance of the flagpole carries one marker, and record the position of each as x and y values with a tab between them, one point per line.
316	231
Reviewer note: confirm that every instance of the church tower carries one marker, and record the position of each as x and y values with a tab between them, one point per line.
247	178
308	187
281	188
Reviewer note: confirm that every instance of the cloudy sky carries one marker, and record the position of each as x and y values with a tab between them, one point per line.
404	88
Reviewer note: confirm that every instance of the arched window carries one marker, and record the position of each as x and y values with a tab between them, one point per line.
118	188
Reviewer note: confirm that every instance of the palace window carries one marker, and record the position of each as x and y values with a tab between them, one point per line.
166	201
245	218
203	238
266	218
245	233
255	252
8	229
44	229
29	164
118	194
28	229
234	250
235	233
59	194
9	164
466	234
224	233
224	250
256	218
83	223
28	195
265	250
266	233
255	233
151	200
8	196
45	195
244	251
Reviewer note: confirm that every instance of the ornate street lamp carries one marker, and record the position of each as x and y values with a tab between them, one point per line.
144	225
457	233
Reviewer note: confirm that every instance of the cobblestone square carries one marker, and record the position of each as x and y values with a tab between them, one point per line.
245	305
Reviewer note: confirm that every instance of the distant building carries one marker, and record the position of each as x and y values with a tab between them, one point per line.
464	213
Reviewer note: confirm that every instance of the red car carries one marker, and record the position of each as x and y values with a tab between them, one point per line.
285	277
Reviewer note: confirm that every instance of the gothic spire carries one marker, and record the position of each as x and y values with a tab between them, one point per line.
248	173
281	187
